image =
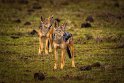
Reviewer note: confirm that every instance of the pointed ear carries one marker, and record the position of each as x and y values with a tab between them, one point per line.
64	26
56	24
41	18
51	19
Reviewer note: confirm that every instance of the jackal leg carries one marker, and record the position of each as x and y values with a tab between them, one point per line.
50	46
56	58
72	53
62	58
46	46
40	45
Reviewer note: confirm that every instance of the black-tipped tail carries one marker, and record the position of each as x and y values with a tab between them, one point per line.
48	44
69	52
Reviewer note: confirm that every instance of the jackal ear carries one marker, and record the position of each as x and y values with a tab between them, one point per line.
41	18
63	26
56	24
51	19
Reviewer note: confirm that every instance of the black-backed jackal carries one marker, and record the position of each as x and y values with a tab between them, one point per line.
64	41
45	32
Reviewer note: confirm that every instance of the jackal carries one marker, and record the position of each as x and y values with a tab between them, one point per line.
45	32
64	41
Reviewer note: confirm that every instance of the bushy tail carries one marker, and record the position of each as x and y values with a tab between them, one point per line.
69	52
48	44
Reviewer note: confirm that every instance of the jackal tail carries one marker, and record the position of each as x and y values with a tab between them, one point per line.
48	44
69	52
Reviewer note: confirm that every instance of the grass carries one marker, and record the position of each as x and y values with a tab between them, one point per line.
19	58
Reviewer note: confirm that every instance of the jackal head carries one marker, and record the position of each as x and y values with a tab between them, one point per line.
59	32
46	24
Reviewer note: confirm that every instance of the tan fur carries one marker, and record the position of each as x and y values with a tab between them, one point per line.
47	37
63	46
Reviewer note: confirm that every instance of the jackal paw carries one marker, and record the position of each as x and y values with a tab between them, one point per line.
50	50
73	65
40	52
55	67
46	52
61	67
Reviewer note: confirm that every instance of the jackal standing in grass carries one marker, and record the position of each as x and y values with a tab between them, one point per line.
45	33
64	41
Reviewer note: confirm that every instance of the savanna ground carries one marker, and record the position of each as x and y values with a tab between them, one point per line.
103	42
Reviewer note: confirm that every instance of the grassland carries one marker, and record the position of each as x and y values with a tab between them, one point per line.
103	42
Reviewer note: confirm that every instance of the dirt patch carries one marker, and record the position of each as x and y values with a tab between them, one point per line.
90	19
89	67
14	37
85	25
27	23
85	68
17	20
33	32
39	76
97	64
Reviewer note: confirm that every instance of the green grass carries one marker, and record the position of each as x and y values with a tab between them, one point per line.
19	58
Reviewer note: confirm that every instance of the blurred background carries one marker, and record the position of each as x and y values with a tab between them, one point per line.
97	27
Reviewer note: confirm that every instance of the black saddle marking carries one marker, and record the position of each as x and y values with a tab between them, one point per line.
66	36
